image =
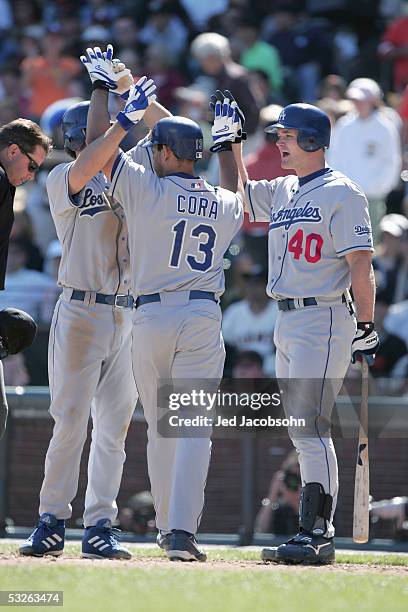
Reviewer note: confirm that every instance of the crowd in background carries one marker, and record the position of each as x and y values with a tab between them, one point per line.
349	58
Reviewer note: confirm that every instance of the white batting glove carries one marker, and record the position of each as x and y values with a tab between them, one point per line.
365	342
141	95
227	126
106	72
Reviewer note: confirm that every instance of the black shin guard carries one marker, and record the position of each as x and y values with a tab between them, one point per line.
315	509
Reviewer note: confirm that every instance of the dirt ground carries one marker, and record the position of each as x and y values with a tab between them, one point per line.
232	565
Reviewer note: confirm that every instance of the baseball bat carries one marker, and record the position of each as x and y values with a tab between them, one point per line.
362	478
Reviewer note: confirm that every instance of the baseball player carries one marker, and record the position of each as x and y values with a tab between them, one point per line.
179	229
89	357
320	243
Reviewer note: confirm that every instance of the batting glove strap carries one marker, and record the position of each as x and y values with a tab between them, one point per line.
365	342
124	121
100	85
221	146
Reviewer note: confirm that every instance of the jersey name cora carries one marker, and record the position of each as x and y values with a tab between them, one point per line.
93	204
285	217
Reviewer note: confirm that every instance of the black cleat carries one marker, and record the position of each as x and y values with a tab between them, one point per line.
162	540
182	546
305	549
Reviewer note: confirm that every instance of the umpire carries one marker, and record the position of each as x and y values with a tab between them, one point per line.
23	149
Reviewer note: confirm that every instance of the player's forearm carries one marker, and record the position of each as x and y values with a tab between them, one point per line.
98	116
228	171
97	155
363	284
154	113
242	171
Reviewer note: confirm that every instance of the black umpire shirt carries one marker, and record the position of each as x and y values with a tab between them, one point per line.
7	191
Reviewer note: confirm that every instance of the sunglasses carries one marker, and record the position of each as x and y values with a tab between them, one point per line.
32	164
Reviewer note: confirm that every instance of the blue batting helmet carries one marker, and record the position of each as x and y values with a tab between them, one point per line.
183	136
313	126
73	127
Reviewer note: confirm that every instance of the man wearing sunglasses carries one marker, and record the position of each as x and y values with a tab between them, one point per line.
23	148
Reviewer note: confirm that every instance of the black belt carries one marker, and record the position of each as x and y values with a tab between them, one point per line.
117	300
195	294
293	304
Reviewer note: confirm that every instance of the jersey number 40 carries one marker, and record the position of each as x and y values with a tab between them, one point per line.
312	249
206	238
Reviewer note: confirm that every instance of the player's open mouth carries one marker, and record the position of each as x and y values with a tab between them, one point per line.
284	154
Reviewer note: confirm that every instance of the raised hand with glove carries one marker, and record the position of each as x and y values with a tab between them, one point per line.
220	96
106	72
365	342
227	126
141	95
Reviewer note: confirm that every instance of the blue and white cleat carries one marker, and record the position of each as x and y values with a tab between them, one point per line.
101	542
46	539
183	546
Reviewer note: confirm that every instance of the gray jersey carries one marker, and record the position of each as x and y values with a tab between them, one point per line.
179	226
93	235
311	229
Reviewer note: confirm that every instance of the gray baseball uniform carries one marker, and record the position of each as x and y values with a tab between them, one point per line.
313	223
89	350
179	229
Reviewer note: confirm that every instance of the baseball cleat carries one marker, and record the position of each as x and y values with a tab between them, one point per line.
182	546
101	542
303	549
269	554
163	540
46	539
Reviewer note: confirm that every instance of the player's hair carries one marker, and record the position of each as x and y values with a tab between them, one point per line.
24	133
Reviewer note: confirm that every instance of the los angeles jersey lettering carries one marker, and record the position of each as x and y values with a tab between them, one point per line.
311	229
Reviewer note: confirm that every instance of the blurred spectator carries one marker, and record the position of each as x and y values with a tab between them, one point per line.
124	35
22	230
395	510
48	77
213	53
394	48
257	54
279	513
26	289
6	16
26	12
391	349
138	515
391	258
333	86
165	29
305	47
248	364
99	12
200	12
366	146
11	92
249	324
158	66
396	320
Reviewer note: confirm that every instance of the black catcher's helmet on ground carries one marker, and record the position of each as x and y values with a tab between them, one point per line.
183	136
17	331
73	127
312	123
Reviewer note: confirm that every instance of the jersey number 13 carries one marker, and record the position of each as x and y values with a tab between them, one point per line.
206	237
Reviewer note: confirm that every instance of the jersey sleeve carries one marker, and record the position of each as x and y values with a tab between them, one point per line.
132	183
142	155
259	196
350	225
233	207
61	203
